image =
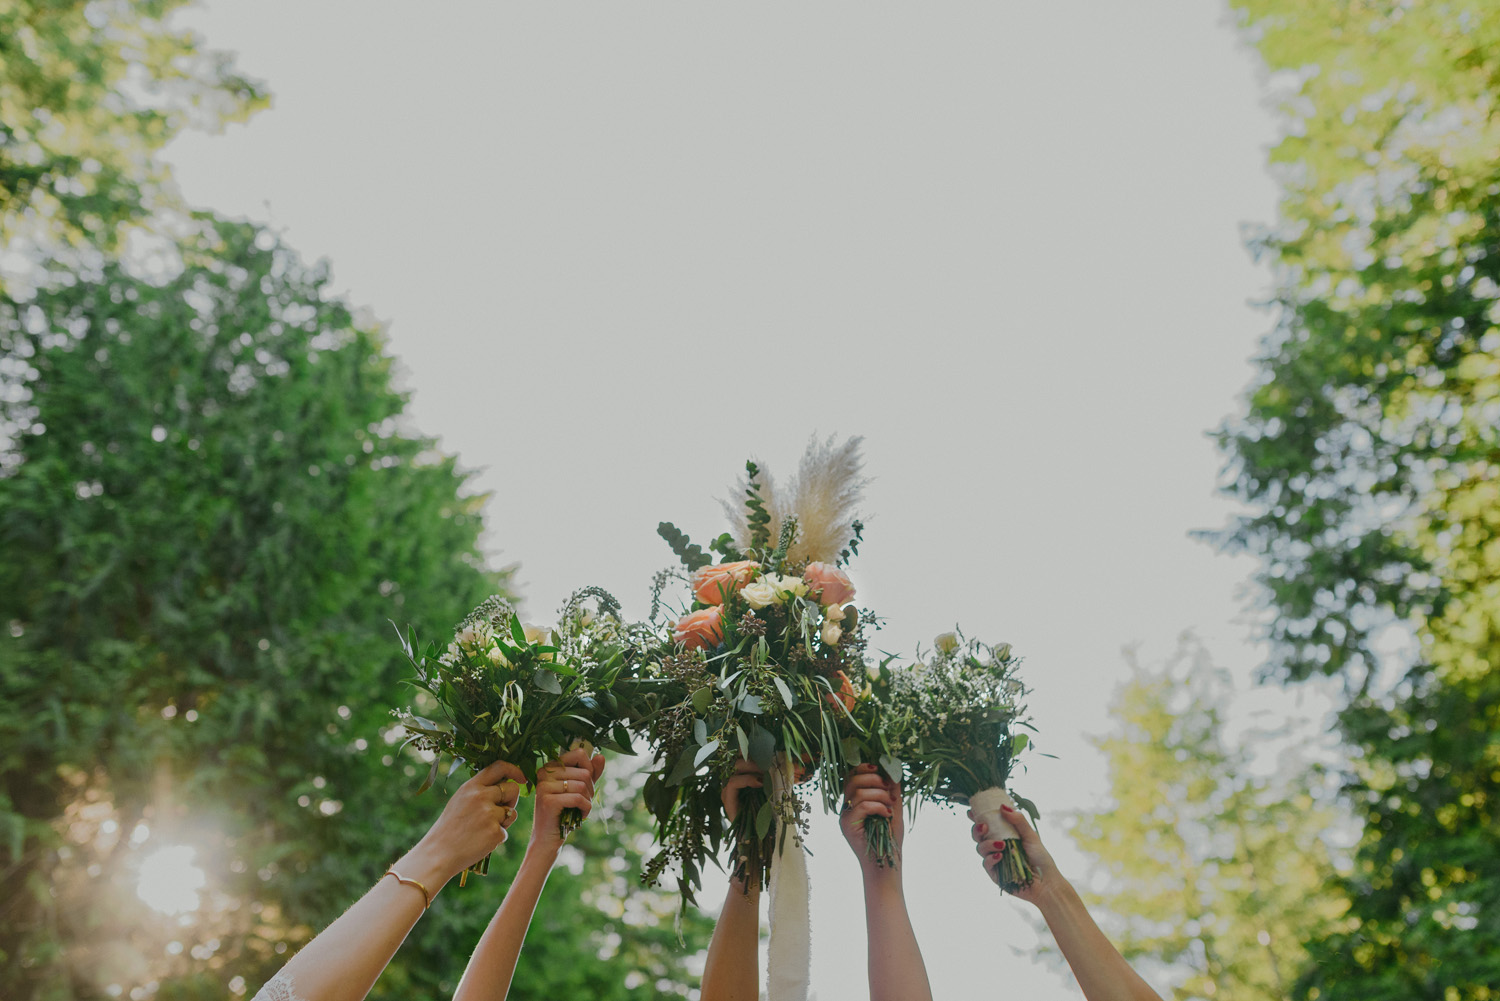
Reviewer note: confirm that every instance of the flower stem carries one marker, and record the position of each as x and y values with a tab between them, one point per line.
752	854
1015	872
568	821
879	844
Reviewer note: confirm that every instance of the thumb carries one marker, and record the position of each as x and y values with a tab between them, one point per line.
597	764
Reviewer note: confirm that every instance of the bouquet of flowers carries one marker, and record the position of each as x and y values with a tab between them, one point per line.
508	691
757	665
964	708
873	733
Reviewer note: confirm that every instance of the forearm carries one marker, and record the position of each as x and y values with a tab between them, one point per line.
896	970
493	964
731	972
343	962
1102	973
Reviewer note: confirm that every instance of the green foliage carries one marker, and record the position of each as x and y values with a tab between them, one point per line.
757	517
1370	460
209	514
1214	873
692	556
77	144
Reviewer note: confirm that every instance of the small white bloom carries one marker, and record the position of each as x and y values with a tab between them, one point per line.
834	613
946	643
759	594
832	631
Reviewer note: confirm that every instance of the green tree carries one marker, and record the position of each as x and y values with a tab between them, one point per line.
90	90
1370	456
1213	873
210	509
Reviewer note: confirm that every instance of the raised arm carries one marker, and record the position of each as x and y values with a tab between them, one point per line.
568	781
1102	973
897	972
732	971
344	960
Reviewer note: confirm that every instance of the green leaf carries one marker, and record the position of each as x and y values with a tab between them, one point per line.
786	693
762	747
431	777
705	752
702	699
547	681
891	766
763	818
751	704
700	731
744	741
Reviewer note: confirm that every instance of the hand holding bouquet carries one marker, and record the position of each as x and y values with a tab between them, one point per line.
504	692
964	707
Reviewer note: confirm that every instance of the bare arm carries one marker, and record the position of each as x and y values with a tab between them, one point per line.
568	781
343	962
732	972
897	972
1102	973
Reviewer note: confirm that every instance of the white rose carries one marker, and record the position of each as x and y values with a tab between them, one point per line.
535	635
783	584
1002	653
831	633
834	613
497	658
946	643
759	595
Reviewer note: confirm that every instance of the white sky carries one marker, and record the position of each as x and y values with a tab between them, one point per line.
623	247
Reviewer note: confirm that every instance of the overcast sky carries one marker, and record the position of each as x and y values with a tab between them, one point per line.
623	247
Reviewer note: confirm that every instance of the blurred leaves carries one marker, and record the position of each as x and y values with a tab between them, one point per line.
1369	456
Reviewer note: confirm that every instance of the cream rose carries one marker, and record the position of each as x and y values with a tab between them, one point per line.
946	643
759	595
832	633
784	585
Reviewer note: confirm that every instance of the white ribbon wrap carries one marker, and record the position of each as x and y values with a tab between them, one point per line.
985	805
789	955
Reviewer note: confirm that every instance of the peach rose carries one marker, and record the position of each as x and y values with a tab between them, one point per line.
712	584
844	694
827	583
702	628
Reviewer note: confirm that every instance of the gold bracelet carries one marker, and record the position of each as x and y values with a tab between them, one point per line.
426	897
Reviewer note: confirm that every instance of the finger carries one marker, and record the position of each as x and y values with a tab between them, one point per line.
979	830
866	781
597	766
969	814
868	796
565	787
577	801
578	757
498	772
744	780
991	868
863	811
504	794
508	815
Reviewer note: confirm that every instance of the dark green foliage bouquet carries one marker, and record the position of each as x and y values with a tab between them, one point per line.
962	709
505	691
756	666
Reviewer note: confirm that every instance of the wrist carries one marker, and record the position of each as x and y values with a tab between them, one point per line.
542	851
1053	893
427	866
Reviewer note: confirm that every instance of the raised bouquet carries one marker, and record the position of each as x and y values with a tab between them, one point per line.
963	709
505	691
873	733
756	663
